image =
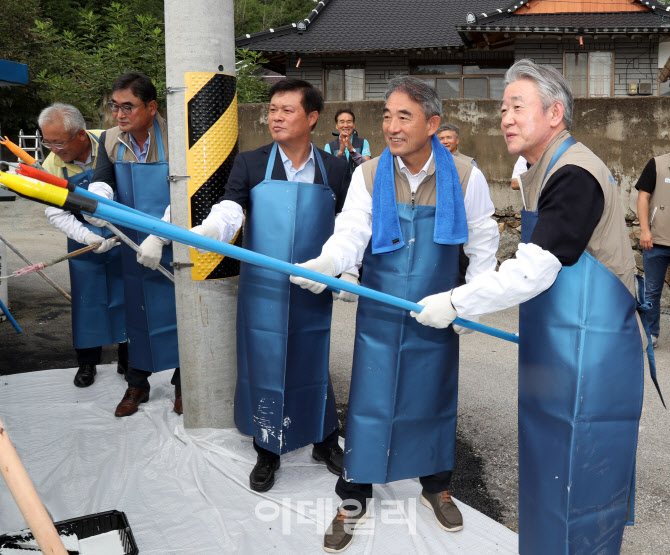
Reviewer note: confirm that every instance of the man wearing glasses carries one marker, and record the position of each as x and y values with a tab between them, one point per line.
98	316
133	165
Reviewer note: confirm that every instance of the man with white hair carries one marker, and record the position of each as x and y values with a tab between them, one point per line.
98	315
580	341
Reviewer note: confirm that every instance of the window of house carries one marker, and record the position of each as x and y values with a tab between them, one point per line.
464	80
344	82
589	73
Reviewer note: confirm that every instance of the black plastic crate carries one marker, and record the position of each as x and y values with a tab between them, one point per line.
85	527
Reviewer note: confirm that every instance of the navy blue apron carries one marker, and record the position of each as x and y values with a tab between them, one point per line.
96	282
284	397
580	399
151	317
404	386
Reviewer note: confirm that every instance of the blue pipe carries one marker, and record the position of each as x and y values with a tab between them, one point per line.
137	220
10	317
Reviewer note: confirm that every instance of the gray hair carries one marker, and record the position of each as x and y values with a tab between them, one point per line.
419	91
448	127
68	114
551	85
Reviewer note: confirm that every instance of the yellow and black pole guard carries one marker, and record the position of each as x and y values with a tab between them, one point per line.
211	133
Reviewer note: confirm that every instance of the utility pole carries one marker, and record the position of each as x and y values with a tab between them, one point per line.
199	51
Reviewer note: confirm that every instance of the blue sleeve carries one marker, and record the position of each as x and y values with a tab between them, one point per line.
366	148
327	148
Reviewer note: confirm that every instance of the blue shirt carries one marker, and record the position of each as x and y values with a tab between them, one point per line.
141	153
304	174
365	151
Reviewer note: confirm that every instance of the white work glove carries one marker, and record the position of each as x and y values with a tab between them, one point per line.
105	244
439	311
151	251
97	222
206	230
345	295
460	330
324	265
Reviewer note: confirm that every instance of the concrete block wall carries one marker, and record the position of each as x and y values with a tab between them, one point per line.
624	132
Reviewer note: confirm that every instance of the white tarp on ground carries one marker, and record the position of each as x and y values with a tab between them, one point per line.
187	491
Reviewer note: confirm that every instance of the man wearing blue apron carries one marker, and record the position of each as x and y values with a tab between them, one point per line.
405	217
133	165
581	346
98	314
291	192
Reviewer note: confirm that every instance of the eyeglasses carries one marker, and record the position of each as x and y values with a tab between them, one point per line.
125	108
59	146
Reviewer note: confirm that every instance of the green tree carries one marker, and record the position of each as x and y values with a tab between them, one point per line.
253	16
250	87
79	64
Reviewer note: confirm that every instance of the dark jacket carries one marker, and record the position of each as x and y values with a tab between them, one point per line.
249	170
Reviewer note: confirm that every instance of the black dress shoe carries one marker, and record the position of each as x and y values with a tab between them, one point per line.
262	477
85	375
332	456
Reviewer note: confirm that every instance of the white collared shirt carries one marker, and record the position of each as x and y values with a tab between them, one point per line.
305	173
353	226
414	180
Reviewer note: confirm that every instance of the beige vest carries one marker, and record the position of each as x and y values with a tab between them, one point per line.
426	192
609	243
459	154
659	203
115	137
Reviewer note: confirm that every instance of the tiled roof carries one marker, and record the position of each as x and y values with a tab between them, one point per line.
378	25
356	25
589	20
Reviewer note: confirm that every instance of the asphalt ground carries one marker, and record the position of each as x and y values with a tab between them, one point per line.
485	476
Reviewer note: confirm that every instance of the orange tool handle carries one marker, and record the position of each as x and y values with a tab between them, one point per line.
42	176
18	151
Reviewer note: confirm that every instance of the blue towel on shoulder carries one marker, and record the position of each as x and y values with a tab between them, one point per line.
451	226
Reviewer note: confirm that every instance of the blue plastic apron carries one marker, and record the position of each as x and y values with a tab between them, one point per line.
96	281
580	399
284	397
404	386
151	317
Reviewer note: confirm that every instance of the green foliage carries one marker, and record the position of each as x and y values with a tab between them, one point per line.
253	16
248	68
79	64
19	104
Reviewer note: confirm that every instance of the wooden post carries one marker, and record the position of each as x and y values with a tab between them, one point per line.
26	498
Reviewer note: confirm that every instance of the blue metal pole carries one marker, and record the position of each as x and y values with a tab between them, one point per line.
10	317
140	221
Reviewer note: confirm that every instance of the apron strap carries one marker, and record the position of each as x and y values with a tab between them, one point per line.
273	156
65	176
271	162
321	166
119	153
159	143
565	145
643	307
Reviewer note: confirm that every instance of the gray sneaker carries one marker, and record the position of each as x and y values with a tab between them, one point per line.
340	533
446	512
654	340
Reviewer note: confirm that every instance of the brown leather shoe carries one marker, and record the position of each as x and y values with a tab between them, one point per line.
447	514
131	401
177	401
